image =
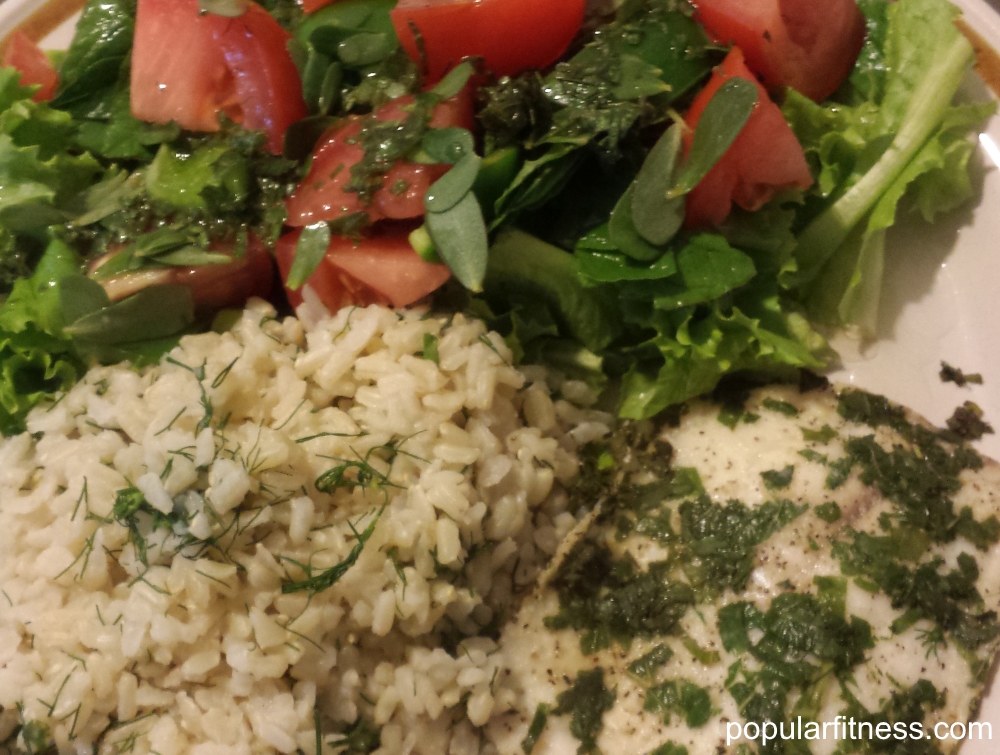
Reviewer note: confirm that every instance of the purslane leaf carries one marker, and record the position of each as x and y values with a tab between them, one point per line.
309	252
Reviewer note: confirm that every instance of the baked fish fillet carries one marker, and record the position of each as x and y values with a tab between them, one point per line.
794	561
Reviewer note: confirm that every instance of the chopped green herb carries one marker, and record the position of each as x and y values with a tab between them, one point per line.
644	669
981	534
722	539
782	407
610	601
37	738
326	579
132	511
359	738
430	350
669	748
706	657
823	435
919	481
538	722
828	512
681	697
967	422
775	479
586	702
809	455
955	375
840	470
795	631
947	598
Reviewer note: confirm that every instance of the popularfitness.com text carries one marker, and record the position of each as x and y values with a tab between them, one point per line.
843	727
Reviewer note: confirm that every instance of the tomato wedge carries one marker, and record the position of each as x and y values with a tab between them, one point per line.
321	196
380	269
509	35
808	45
22	53
266	80
765	158
214	65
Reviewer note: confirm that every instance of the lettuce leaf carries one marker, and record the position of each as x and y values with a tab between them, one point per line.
754	328
671	331
40	179
36	360
902	140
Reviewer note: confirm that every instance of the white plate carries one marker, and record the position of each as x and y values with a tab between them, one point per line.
941	299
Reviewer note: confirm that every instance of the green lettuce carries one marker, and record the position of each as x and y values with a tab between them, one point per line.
670	329
36	359
901	139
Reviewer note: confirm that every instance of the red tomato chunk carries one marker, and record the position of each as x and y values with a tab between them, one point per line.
21	53
809	45
321	196
764	160
214	65
380	269
509	35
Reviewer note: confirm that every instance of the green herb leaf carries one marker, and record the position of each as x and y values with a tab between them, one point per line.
700	654
193	256
80	296
180	180
586	701
531	270
454	81
459	235
775	479
453	186
328	578
163	240
536	728
724	117
611	267
735	622
314	74
447	145
366	48
109	196
657	218
430	350
644	669
710	268
828	512
682	697
623	233
670	748
781	407
301	136
309	252
154	312
824	435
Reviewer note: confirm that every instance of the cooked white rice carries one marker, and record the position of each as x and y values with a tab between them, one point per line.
195	648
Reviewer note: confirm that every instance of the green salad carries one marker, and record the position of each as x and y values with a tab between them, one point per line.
638	196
